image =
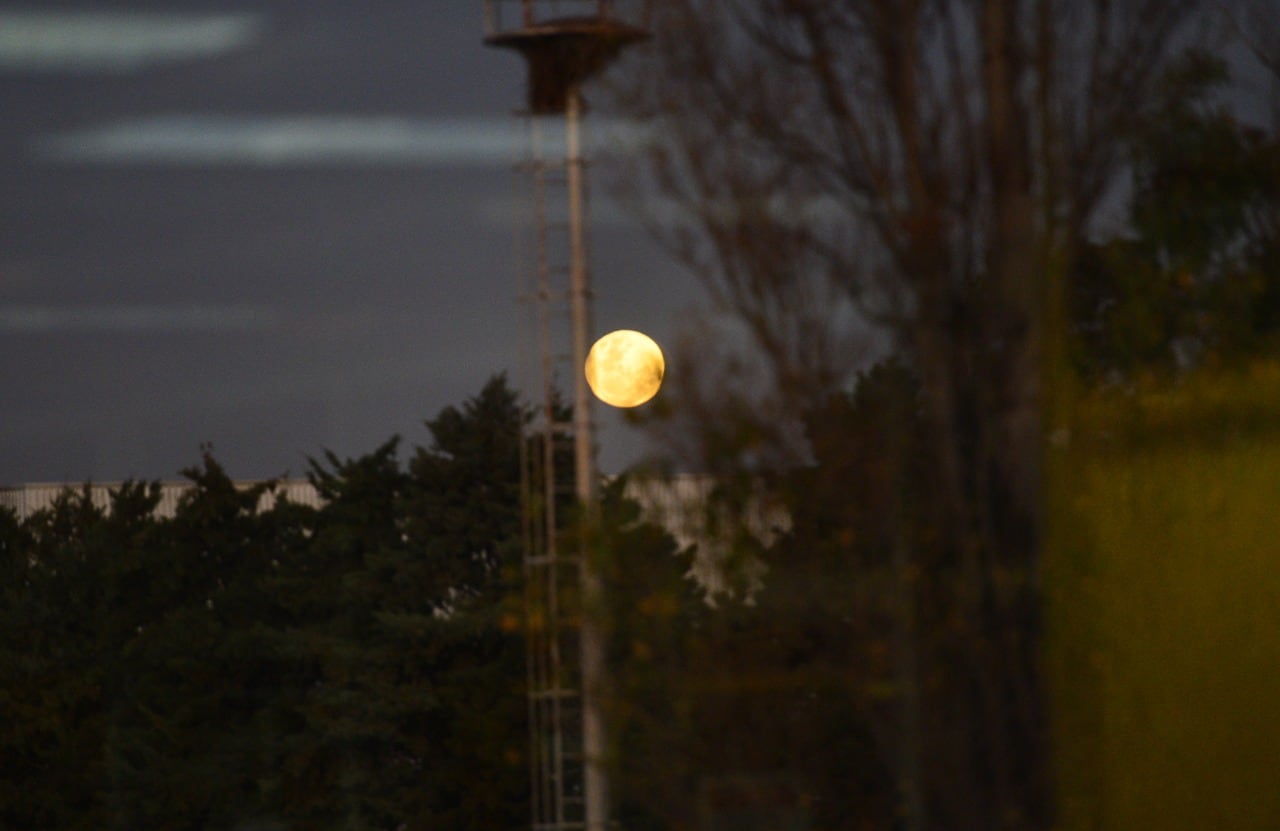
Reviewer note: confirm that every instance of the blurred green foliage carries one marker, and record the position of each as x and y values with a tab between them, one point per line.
1164	464
1164	604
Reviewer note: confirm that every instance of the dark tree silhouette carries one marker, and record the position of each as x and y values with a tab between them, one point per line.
248	664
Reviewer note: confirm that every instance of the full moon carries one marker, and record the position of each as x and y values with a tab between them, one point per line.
624	368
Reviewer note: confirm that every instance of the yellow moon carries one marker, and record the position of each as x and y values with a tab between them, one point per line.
624	368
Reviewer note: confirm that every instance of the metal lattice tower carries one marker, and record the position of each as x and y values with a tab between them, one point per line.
564	43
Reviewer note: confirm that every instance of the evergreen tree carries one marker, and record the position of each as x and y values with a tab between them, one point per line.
256	663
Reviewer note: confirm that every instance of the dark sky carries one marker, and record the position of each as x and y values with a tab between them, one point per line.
273	226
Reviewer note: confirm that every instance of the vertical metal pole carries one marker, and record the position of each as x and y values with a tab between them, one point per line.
580	291
595	783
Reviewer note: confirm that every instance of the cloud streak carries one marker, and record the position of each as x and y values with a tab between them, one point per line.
311	140
117	42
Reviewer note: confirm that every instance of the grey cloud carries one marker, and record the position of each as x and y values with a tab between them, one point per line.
85	41
284	140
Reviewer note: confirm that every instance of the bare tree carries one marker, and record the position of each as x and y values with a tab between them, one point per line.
918	171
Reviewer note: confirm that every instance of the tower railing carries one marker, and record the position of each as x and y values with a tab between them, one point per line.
503	15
